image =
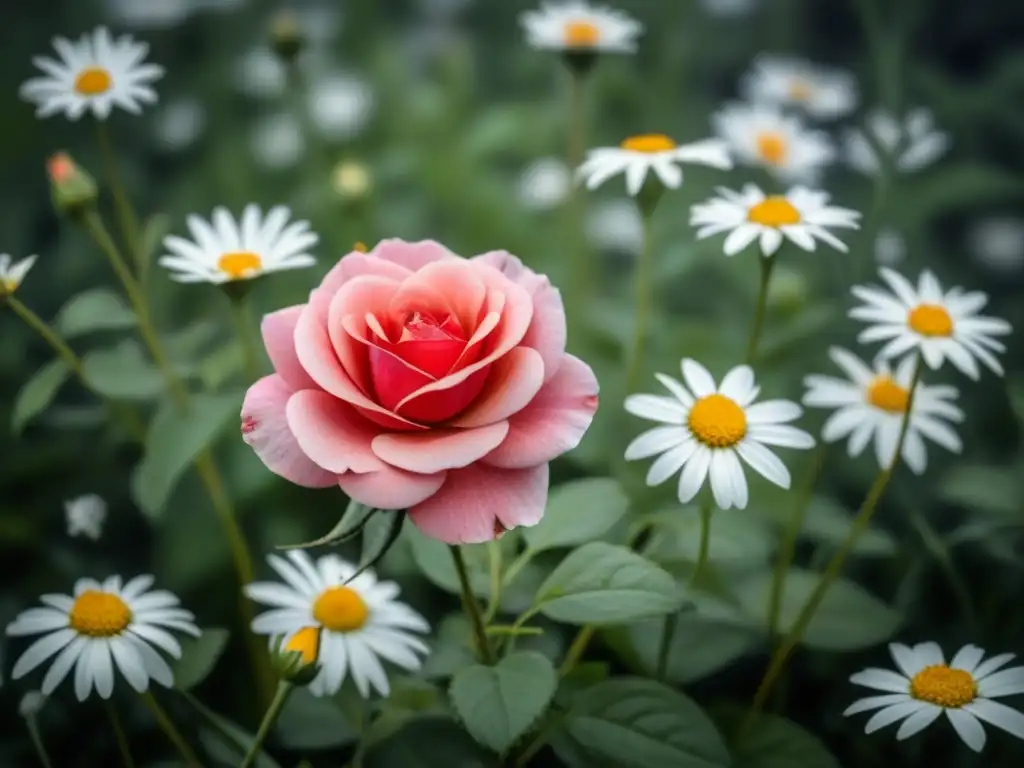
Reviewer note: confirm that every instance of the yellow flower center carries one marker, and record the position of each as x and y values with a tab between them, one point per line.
772	147
99	614
305	642
944	687
93	81
717	421
800	90
340	609
930	320
239	264
581	34
775	211
886	394
7	285
360	247
649	143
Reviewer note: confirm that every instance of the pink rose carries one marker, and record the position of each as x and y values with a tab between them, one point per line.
415	379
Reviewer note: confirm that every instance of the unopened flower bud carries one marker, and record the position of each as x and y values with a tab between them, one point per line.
351	181
286	36
295	660
73	190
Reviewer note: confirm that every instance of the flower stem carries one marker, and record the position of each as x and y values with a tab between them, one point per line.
494	561
126	215
767	265
37	742
241	315
120	736
641	309
472	608
579	283
170	730
284	690
835	565
577	649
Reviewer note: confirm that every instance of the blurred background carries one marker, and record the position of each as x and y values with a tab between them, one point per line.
432	119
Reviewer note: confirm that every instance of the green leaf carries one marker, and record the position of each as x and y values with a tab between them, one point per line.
736	539
38	392
499	704
175	438
226	741
199	655
434	560
122	373
606	584
311	722
578	512
153	232
451	647
827	522
981	488
98	309
352	521
956	187
636	723
773	742
379	533
848	619
428	742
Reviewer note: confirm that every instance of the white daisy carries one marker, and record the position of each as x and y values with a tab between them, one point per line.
94	73
103	626
225	250
909	144
85	516
942	324
260	73
873	402
545	184
926	686
360	621
574	26
179	125
820	92
638	155
615	225
801	216
761	134
277	141
998	243
12	272
708	429
340	105
890	247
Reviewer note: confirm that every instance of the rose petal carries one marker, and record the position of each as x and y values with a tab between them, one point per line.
331	433
478	502
393	378
513	382
444	287
411	256
356	264
438	449
428	406
265	429
390	488
353	301
554	421
278	329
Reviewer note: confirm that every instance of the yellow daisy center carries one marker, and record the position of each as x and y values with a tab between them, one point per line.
581	34
717	421
340	609
93	81
239	264
800	90
772	147
886	394
649	143
775	211
305	642
7	285
944	687
930	320
99	614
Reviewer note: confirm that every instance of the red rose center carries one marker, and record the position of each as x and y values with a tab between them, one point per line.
430	343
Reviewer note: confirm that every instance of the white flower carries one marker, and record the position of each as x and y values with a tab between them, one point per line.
12	272
224	249
890	247
545	184
761	134
873	402
361	621
179	124
910	144
615	225
820	92
943	325
577	27
926	686
85	516
801	216
638	155
998	243
277	141
260	73
94	73
340	105
161	15
103	626
728	8
31	704
708	429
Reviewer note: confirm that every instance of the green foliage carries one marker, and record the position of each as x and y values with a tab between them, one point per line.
350	524
199	655
38	392
429	742
122	372
98	309
309	722
772	742
578	512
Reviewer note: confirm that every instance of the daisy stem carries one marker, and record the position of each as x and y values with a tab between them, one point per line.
579	282
170	730
767	265
641	309
835	565
37	742
120	736
242	316
472	607
126	214
284	690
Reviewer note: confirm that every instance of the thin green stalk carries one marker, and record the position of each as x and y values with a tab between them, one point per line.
472	608
860	524
641	309
125	213
668	632
580	274
494	561
37	742
577	649
170	730
120	736
767	265
284	690
242	318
